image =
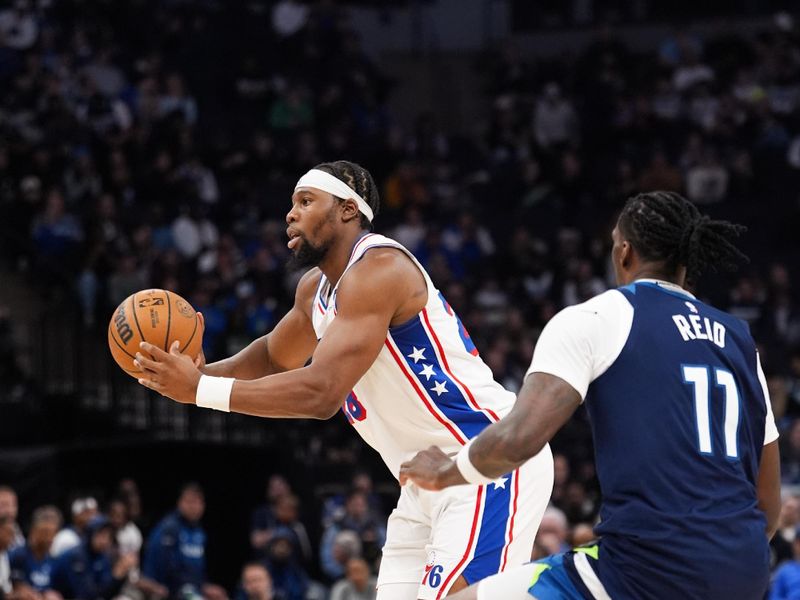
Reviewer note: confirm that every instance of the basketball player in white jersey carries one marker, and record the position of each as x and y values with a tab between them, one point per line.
388	351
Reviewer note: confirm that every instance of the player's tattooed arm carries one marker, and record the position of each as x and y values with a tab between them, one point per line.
544	404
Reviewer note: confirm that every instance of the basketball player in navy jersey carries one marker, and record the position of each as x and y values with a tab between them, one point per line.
685	441
387	350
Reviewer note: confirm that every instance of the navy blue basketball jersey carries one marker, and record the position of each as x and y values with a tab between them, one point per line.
679	425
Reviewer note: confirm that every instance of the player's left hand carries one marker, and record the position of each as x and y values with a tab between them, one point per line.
431	469
171	374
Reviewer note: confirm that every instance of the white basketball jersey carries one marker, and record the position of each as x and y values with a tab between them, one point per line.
428	385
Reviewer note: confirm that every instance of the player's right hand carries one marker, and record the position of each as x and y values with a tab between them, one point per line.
431	469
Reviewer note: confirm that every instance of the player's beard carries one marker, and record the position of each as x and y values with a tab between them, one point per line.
308	255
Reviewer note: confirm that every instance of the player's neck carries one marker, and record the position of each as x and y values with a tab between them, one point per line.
336	259
648	272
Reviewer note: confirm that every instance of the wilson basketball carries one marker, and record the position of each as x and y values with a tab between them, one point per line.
156	316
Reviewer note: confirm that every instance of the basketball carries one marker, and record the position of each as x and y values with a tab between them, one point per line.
155	316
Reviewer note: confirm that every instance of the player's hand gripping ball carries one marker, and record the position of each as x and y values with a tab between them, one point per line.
156	316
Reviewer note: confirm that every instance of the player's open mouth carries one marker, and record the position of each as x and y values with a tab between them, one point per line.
294	239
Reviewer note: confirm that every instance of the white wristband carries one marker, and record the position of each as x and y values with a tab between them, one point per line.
467	469
214	392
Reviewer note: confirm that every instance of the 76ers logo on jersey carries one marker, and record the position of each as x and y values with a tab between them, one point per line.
353	409
433	572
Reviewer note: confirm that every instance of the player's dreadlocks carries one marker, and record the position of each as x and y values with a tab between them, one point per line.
666	227
360	180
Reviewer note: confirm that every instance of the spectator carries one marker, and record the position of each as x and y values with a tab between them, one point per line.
175	552
175	100
555	524
127	535
707	181
83	509
32	565
18	26
289	580
786	584
358	519
7	534
128	492
358	584
256	583
263	519
335	553
286	513
86	571
334	507
554	123
129	540
789	520
9	508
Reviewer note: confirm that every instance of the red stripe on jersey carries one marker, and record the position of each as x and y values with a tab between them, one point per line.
469	543
515	475
421	395
450	373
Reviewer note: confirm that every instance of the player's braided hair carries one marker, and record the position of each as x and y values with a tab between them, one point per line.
360	180
666	227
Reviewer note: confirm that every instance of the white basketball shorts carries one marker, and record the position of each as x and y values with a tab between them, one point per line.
472	531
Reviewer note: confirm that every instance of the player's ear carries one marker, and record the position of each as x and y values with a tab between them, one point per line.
626	254
350	210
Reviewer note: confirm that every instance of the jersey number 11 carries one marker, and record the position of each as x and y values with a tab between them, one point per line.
699	376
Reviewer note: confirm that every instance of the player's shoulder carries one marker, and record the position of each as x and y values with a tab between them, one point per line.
607	303
382	262
307	286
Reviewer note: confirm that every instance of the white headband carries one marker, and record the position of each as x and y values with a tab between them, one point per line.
326	182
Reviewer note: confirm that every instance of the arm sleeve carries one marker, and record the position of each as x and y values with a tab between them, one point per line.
771	430
581	342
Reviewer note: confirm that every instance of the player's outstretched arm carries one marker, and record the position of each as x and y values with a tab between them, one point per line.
367	299
288	346
373	292
544	404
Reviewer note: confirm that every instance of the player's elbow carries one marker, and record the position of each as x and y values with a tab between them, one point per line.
326	409
323	397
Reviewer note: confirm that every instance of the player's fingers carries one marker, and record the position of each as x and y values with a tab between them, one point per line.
175	349
154	351
405	472
202	320
143	362
148	383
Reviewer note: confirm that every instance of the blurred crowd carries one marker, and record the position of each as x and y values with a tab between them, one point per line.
110	552
120	551
156	143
